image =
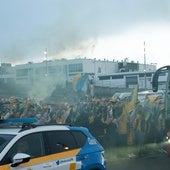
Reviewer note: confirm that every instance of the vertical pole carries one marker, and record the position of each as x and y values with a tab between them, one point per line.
144	64
45	53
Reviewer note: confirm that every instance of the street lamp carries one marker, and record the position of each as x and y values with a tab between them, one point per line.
144	64
45	53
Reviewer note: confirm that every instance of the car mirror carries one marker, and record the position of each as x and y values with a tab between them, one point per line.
20	158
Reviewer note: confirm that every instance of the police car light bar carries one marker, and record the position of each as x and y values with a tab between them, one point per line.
18	120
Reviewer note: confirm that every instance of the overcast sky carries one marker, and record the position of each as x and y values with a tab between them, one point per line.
101	29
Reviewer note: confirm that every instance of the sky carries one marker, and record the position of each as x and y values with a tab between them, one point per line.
101	29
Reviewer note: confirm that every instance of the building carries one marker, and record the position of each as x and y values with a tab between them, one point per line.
105	73
7	73
127	80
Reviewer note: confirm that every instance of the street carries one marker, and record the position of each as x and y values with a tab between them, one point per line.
152	162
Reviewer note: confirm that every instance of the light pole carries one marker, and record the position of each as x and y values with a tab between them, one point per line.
144	64
46	66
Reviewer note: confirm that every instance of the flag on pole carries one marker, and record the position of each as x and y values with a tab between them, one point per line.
75	80
80	82
129	106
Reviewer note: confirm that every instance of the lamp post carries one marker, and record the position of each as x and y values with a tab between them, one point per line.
46	66
144	64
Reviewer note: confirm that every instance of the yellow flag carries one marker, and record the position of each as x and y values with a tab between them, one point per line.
133	100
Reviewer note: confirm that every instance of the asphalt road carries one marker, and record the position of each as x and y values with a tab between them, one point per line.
152	162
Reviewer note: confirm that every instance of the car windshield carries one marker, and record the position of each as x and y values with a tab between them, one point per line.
4	140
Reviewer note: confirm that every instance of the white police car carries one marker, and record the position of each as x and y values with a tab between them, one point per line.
48	147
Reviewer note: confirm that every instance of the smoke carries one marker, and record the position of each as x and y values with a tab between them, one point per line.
44	87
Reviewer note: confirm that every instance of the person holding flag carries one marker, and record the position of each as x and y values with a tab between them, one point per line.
124	119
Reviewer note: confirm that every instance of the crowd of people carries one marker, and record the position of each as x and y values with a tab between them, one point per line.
105	118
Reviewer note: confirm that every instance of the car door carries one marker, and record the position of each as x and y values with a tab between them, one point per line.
61	145
26	154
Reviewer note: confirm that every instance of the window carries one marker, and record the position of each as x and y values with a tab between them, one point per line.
59	141
75	67
40	70
99	70
22	72
131	80
80	138
4	139
31	144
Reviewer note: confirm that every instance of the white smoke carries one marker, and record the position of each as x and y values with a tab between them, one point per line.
44	87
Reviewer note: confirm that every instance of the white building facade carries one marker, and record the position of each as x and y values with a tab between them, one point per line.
105	73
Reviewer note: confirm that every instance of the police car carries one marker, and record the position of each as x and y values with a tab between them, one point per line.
47	147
